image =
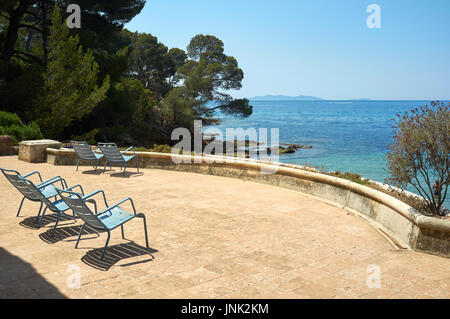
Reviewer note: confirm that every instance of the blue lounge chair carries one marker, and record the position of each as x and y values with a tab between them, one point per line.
47	188
113	155
56	205
45	193
106	220
85	153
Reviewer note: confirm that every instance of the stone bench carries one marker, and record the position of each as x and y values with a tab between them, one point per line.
35	151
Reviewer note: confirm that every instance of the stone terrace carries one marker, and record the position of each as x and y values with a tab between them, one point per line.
209	237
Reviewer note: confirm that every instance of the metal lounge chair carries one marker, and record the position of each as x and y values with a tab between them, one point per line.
113	155
106	220
45	193
56	205
47	187
85	153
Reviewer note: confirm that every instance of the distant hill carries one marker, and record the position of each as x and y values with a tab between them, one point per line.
285	98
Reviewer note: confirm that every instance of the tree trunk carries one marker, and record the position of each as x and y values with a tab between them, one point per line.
9	44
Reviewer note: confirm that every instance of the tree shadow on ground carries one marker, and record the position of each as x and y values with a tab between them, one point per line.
19	279
63	233
117	253
31	222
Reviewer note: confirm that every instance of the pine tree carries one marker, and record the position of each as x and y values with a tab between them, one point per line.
70	90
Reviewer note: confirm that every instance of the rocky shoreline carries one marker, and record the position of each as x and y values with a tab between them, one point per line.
248	147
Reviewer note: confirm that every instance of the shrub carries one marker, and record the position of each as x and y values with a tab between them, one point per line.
356	178
420	153
8	119
11	125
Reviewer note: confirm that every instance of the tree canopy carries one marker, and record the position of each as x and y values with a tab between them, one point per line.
102	82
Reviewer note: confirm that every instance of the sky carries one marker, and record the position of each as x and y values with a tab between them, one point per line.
321	48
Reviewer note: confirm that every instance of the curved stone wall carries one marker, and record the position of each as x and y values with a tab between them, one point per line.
401	223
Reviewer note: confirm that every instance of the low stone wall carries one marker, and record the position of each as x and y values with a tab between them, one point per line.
401	223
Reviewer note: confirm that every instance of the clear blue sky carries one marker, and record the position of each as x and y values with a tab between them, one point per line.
318	47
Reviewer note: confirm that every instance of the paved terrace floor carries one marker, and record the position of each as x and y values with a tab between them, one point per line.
210	237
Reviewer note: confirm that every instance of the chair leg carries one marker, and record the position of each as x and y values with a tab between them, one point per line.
106	245
79	235
39	218
39	213
96	164
20	207
56	224
145	230
125	168
104	167
123	233
137	164
78	163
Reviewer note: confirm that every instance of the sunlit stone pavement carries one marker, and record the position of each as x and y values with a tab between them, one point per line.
210	237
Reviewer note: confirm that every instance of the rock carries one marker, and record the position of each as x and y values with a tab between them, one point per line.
6	145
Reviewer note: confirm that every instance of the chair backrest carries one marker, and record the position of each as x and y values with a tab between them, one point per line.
83	150
111	152
24	186
79	207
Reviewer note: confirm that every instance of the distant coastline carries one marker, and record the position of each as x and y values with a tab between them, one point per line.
314	98
285	98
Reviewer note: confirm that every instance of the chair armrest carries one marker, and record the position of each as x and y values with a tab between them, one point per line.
47	181
95	193
35	172
54	180
117	204
131	147
72	187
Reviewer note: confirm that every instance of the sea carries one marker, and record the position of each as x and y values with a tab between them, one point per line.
345	136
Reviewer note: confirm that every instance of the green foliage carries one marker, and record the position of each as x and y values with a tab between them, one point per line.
420	153
89	137
162	148
70	90
151	62
124	87
102	22
18	94
157	148
207	75
8	119
11	125
128	116
356	178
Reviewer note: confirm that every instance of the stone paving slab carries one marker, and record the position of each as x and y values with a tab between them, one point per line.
210	237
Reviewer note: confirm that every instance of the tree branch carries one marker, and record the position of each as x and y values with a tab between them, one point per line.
18	54
28	26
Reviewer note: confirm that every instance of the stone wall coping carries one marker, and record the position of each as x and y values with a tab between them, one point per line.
39	142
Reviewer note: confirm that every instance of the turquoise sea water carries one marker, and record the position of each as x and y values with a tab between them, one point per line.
348	136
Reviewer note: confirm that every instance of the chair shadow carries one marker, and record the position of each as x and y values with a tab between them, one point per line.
93	172
116	253
127	174
62	233
31	222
